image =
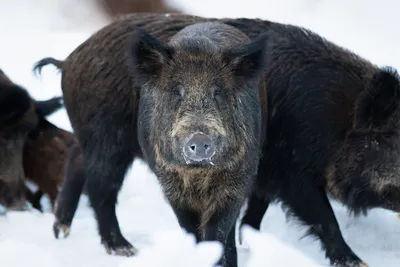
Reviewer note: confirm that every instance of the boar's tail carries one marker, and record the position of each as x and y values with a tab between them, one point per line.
37	69
46	107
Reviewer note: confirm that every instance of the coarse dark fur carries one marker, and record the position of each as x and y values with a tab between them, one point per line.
319	97
45	153
202	89
19	115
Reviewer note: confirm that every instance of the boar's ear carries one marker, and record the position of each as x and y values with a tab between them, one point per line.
148	53
248	60
379	100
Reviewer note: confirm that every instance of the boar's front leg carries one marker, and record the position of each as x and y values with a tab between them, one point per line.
188	220
313	208
221	227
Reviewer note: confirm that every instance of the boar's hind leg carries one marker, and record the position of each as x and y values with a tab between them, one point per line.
314	209
68	197
106	162
222	228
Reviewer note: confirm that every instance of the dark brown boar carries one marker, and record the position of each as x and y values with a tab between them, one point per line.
315	88
45	153
115	8
200	123
117	141
17	118
81	91
333	130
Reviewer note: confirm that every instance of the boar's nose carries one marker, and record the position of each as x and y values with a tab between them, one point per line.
199	147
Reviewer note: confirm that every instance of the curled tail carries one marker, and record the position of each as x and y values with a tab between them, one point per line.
47	107
37	69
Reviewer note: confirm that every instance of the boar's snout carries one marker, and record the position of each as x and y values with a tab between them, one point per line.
199	148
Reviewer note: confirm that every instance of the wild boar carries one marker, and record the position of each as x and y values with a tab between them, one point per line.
333	131
225	69
45	153
200	123
19	115
81	86
314	90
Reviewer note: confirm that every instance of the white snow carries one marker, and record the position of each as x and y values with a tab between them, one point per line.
31	30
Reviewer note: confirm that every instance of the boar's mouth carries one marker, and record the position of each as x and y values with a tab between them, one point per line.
207	161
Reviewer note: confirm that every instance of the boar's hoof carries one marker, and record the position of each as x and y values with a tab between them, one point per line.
58	227
199	148
126	250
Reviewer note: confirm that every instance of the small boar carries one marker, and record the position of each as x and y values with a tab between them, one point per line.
45	152
19	115
314	90
200	123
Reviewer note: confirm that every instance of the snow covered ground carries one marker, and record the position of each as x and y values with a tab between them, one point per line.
45	28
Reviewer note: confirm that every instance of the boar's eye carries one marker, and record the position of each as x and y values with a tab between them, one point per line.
216	91
178	91
217	94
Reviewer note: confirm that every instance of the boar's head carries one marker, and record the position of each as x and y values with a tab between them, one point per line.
366	171
199	103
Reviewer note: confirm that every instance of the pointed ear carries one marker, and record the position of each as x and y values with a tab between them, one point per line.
148	54
379	100
250	59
